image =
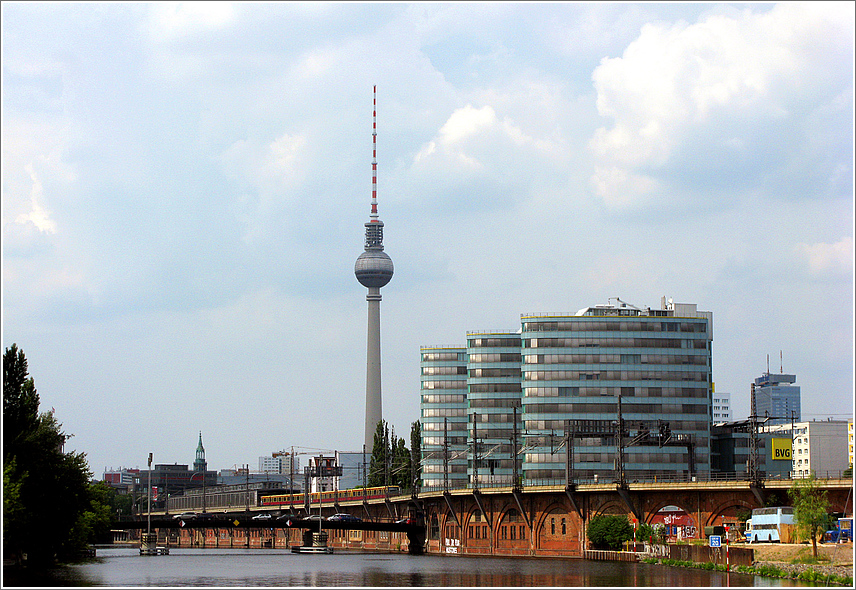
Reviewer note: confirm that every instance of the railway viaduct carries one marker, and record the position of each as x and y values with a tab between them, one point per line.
547	520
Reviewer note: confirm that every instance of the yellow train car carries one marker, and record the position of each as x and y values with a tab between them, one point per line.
294	501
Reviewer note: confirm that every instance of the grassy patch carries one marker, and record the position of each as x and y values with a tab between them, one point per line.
766	570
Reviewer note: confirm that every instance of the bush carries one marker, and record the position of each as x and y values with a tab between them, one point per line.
645	533
609	531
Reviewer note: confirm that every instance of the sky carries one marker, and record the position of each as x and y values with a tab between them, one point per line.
184	188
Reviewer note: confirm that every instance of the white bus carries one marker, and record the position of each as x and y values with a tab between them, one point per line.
770	524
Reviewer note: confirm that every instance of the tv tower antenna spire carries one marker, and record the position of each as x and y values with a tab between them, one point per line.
374	154
373	270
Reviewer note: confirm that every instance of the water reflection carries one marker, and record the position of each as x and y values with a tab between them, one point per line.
253	567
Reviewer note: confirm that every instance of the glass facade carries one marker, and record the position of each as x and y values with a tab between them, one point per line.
578	367
571	372
777	398
494	386
443	416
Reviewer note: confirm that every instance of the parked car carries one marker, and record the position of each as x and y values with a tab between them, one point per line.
288	516
315	517
404	521
185	516
344	518
263	516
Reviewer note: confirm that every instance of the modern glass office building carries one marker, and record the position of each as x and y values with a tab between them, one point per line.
655	362
777	398
443	409
568	374
494	394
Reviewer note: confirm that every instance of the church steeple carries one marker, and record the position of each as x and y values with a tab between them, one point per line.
200	464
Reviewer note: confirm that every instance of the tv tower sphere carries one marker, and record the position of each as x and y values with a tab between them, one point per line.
373	268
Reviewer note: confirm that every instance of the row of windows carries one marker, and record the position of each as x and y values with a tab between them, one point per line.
444	356
624	359
685	392
440	440
456	426
613	343
582	408
455	370
630	456
494	357
447	412
444	398
438	468
456	384
495	388
493	342
500	372
494	418
559	425
495	402
699	327
591	375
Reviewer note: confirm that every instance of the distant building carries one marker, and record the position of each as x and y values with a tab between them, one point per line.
850	441
721	407
729	449
777	398
820	446
281	462
122	479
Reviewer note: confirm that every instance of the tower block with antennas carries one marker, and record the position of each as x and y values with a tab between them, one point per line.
373	269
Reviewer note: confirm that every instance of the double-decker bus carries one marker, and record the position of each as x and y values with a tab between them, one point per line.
770	524
295	501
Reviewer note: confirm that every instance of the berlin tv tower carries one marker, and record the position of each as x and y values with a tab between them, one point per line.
374	270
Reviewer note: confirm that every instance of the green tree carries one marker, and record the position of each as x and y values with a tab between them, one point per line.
416	453
390	460
45	489
811	508
609	531
645	533
379	462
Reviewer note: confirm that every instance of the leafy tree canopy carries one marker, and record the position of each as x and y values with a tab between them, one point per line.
811	508
609	531
45	489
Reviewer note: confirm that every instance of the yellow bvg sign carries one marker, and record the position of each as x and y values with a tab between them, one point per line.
781	449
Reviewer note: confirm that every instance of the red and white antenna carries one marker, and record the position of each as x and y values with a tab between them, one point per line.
374	154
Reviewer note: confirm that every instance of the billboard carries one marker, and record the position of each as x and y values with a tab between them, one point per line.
781	449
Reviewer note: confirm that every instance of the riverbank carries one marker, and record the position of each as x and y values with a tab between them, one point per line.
836	560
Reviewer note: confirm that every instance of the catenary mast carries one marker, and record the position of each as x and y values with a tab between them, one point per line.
373	270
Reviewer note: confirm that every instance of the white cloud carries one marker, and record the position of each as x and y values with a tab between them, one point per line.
823	258
38	215
710	90
171	20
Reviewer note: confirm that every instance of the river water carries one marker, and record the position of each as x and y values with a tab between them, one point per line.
272	567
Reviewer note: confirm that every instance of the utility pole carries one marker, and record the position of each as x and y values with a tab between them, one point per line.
619	441
475	452
446	455
752	468
515	481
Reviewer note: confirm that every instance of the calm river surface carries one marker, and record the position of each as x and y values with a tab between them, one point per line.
254	567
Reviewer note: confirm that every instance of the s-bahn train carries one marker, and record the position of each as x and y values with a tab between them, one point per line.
299	500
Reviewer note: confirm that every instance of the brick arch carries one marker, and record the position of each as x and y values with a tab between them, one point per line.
717	510
545	513
655	508
605	508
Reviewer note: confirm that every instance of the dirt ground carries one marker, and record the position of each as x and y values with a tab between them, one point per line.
839	555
